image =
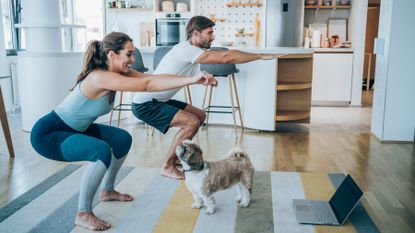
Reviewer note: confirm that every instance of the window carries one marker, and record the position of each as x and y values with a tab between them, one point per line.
73	12
81	12
11	15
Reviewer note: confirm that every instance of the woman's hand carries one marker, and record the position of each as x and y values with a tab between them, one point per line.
204	78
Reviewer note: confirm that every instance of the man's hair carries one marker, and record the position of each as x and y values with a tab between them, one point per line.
198	23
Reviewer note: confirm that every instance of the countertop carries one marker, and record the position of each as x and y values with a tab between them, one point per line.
288	50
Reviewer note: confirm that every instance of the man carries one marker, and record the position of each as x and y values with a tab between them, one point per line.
160	111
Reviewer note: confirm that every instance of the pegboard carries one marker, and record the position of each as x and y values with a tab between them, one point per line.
235	17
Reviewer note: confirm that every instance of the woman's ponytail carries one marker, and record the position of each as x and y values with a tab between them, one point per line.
94	58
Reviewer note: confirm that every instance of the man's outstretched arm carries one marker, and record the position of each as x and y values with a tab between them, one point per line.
233	57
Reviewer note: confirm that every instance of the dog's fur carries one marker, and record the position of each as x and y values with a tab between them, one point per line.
205	178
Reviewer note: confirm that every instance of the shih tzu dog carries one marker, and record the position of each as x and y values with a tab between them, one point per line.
205	178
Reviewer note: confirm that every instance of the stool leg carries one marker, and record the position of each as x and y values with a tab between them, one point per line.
208	107
112	111
237	101
204	98
233	106
187	95
119	110
5	125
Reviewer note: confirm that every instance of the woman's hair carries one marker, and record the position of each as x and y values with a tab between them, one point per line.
96	54
198	23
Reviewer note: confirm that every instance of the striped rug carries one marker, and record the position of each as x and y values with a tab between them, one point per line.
163	205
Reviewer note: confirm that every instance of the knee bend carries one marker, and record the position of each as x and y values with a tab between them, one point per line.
193	124
104	154
202	117
124	145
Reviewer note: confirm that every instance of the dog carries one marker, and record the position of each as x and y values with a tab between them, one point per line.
204	178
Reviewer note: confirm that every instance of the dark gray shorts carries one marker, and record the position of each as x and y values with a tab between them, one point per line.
158	114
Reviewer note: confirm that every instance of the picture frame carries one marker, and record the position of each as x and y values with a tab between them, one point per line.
338	26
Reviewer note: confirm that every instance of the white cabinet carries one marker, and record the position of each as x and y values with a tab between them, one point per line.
332	77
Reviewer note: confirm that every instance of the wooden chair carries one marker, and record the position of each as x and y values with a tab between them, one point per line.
5	125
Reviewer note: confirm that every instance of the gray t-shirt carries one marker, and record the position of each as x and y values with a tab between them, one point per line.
180	60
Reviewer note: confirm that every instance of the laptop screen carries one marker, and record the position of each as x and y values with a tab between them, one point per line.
345	198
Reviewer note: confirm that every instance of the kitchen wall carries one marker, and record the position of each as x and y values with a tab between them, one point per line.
234	17
322	16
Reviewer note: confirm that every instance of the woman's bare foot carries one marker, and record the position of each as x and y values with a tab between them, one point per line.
115	196
91	222
172	172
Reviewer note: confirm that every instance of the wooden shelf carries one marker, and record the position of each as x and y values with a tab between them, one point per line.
286	115
295	56
293	89
288	86
218	20
244	34
258	4
129	9
329	7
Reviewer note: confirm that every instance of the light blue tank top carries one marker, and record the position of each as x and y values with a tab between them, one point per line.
78	112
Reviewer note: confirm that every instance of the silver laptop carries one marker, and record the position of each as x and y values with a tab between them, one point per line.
332	212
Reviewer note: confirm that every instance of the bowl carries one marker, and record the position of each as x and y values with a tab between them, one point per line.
310	2
344	2
226	43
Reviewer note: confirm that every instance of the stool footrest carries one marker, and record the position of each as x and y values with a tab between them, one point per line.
208	109
119	107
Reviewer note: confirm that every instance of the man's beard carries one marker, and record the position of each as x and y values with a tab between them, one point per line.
205	44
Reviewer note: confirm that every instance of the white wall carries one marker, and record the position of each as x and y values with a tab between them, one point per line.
393	117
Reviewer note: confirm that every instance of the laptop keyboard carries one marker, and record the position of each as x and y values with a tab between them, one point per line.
323	213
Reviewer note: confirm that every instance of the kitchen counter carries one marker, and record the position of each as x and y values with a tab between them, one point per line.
256	82
288	50
333	50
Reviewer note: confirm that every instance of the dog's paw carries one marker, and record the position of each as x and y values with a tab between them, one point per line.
197	205
244	204
210	211
212	199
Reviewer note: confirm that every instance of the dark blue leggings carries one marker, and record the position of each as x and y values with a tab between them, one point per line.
55	140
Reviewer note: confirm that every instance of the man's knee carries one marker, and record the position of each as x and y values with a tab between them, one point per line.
202	117
193	123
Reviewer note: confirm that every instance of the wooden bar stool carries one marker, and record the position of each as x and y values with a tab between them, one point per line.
139	66
5	126
223	70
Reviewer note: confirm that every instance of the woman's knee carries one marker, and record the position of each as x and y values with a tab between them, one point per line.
123	145
103	153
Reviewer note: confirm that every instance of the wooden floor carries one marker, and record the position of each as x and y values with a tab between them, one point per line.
336	140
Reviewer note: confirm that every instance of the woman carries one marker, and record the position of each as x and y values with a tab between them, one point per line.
69	134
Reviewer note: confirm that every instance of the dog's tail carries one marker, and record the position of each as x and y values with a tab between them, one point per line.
248	176
238	153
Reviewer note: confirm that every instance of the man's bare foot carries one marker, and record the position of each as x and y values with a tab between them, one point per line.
177	163
91	222
172	172
115	196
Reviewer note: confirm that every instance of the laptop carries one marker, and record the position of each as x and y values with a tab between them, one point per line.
332	212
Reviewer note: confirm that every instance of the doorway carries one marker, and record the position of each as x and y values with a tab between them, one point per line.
372	25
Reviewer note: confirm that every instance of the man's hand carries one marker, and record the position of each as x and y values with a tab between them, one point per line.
272	56
204	78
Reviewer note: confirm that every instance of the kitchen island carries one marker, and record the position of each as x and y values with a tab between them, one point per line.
265	97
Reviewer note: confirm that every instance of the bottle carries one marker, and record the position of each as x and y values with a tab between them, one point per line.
306	42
